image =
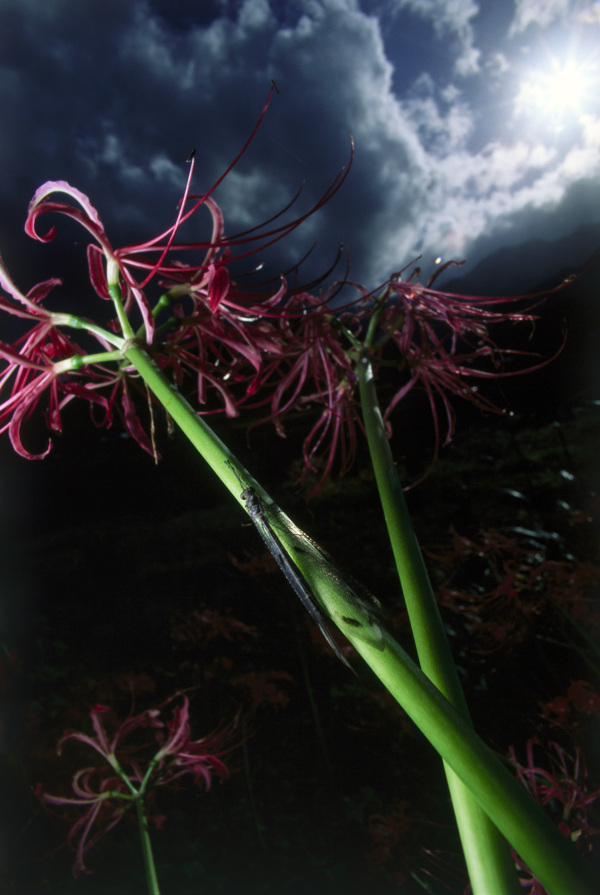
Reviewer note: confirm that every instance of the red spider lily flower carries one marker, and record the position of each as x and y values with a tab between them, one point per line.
338	423
524	585
29	305
121	262
221	351
214	332
33	368
43	362
569	712
441	339
312	369
562	789
207	278
237	342
318	364
89	218
179	755
134	771
247	348
105	803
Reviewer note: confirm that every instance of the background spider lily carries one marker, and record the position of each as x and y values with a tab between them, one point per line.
133	769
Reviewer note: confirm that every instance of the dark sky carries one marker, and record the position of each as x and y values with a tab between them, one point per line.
477	125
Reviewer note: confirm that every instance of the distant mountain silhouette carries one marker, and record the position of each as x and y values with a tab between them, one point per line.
530	266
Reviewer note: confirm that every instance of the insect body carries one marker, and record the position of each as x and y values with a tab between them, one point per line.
257	512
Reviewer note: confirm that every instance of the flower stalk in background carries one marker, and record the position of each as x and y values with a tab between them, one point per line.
131	773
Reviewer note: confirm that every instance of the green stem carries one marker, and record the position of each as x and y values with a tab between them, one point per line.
81	323
206	442
114	290
77	361
150	869
138	796
549	855
488	858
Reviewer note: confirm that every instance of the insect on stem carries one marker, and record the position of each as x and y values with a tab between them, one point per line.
257	512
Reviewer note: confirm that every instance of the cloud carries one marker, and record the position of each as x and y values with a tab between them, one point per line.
449	19
443	124
113	97
537	12
590	15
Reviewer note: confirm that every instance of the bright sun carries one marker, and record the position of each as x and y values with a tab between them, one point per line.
557	91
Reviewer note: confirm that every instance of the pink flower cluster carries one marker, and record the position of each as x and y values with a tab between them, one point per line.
281	350
558	782
133	770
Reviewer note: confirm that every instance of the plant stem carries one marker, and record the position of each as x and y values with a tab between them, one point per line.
206	442
488	858
151	878
75	322
549	855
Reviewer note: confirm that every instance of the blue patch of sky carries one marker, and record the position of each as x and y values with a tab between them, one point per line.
182	15
413	48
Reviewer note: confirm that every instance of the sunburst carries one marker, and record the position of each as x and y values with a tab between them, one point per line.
562	89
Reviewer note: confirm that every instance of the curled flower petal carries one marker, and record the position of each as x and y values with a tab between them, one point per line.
104	793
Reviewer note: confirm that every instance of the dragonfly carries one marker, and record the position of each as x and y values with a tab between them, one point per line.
257	512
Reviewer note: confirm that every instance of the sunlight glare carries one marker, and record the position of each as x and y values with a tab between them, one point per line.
558	90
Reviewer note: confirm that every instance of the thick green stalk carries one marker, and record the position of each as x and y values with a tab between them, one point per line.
206	442
489	862
551	857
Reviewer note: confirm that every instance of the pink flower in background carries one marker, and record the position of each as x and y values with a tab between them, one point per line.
558	782
180	755
571	711
133	768
444	346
